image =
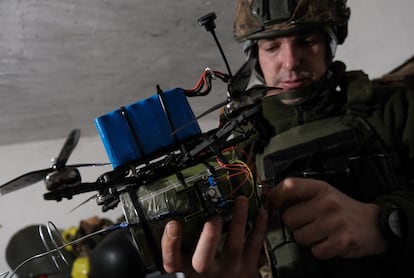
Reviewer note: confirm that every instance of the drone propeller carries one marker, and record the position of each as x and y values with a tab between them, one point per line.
24	180
67	149
60	163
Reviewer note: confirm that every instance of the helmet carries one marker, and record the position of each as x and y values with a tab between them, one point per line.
257	19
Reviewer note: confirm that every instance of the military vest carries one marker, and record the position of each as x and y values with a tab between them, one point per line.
343	150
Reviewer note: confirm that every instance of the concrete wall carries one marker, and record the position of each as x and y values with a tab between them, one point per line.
380	35
380	39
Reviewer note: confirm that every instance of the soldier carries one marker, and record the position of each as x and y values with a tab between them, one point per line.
334	154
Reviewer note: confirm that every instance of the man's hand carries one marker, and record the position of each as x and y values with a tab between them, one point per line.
240	255
330	222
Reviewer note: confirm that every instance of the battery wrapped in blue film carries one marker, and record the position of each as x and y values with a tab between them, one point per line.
136	131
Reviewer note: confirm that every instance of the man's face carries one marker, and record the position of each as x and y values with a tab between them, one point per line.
294	61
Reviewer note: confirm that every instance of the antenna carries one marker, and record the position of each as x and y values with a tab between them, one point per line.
208	22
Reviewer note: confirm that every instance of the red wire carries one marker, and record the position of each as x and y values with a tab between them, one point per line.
202	81
205	80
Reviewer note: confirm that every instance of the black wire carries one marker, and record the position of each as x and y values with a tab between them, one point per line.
222	53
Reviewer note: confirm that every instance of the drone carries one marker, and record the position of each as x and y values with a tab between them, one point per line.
64	181
164	166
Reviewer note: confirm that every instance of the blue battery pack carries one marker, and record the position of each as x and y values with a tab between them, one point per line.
141	129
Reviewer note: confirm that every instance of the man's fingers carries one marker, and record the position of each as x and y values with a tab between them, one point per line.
292	190
206	249
204	259
255	241
237	228
171	244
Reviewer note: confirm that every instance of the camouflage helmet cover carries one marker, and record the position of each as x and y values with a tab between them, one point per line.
256	19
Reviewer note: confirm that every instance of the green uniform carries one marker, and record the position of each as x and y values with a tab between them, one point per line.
359	137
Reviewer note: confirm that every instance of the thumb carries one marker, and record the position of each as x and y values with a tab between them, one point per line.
293	190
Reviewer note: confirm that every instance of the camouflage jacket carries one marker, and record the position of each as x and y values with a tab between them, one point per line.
362	119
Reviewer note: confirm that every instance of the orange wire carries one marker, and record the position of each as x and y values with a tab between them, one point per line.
236	169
